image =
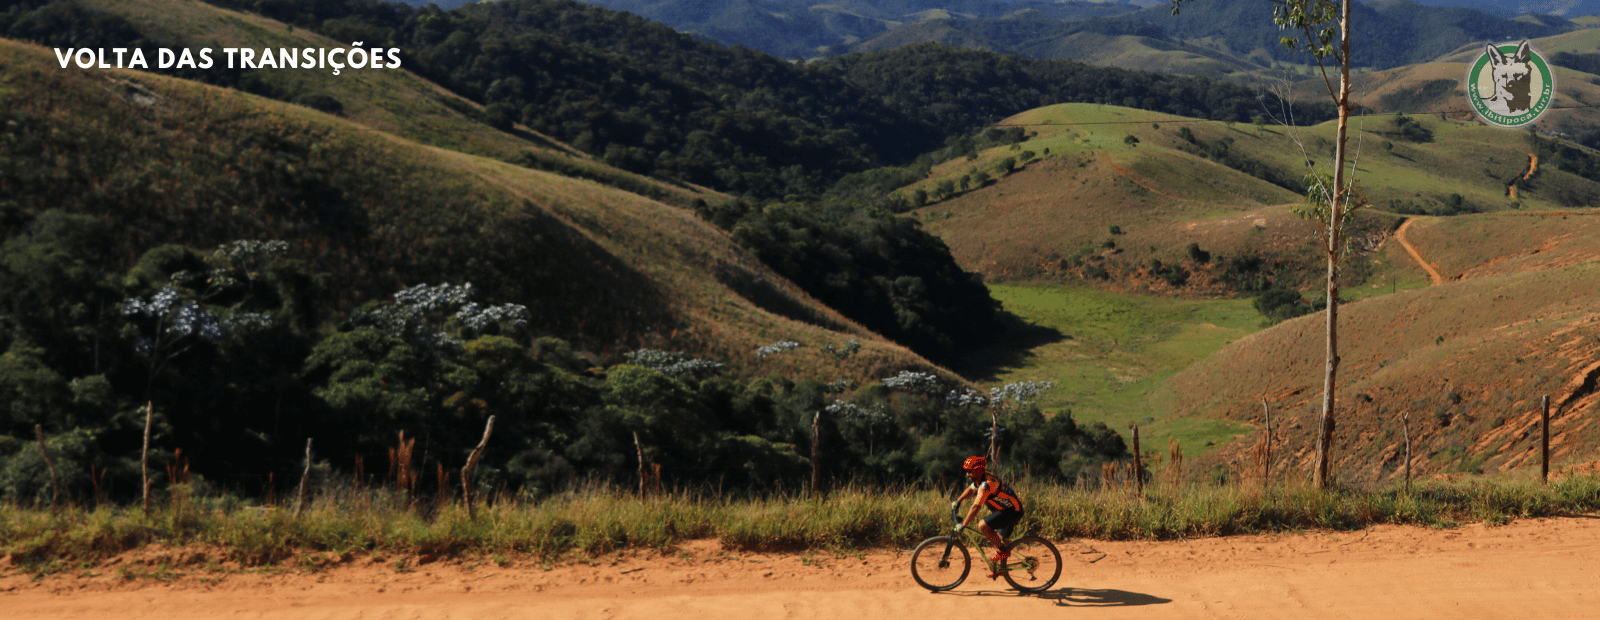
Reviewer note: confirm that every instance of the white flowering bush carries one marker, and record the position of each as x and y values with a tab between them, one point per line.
844	409
1021	393
912	381
673	363
427	313
776	348
849	348
175	317
966	398
999	402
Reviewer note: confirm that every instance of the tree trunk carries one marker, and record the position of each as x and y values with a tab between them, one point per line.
305	477
644	474
994	440
1334	247
816	453
55	480
144	456
472	463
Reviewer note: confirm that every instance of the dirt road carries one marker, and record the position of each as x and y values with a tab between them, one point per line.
1529	569
1400	235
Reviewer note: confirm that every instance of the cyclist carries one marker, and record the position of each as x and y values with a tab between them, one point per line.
1004	504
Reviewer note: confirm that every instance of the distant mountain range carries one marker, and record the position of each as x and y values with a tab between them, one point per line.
1212	37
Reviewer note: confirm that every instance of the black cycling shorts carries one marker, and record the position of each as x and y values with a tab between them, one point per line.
1002	521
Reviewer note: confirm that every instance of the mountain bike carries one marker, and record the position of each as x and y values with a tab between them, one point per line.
941	563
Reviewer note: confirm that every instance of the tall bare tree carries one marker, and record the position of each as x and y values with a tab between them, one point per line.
1322	28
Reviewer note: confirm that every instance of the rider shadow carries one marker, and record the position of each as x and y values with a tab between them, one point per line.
1079	597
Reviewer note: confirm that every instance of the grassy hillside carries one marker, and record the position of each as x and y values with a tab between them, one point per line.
1139	53
607	269
1089	229
1467	361
1436	87
397	102
1165	181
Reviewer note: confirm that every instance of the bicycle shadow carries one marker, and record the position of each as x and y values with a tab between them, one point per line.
1080	597
1077	597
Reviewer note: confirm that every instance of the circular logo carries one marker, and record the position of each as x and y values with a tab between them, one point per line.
1510	85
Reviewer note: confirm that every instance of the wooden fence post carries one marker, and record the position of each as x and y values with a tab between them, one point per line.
144	456
1405	427
1138	467
305	476
1544	440
1266	473
643	473
816	454
472	463
55	480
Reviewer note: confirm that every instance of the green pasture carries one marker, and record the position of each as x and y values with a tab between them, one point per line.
1106	352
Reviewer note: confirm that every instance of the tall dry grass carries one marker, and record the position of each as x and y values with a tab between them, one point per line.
598	519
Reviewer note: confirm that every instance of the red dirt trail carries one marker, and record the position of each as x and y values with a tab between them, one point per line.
1541	568
1400	235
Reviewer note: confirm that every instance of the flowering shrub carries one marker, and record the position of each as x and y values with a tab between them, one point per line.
912	381
674	363
777	347
425	312
175	316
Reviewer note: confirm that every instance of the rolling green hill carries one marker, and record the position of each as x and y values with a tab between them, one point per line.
1165	181
608	269
1087	240
1467	362
1228	38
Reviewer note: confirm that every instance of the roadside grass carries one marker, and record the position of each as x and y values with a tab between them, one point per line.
597	520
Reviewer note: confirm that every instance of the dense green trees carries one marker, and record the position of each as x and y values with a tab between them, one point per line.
238	274
879	269
208	337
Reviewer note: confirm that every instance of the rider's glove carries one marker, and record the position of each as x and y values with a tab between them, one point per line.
959	527
955	505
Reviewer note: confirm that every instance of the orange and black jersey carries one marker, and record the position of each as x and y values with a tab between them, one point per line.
996	494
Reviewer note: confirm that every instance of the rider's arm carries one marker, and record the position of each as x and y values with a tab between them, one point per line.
972	513
977	502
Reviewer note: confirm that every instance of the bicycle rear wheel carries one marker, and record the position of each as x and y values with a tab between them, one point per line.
1034	565
940	563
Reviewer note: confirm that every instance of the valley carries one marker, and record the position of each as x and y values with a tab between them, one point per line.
713	246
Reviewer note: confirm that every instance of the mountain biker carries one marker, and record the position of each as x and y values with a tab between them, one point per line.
1004	504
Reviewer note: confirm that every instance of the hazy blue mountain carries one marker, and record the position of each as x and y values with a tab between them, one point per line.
1393	32
807	28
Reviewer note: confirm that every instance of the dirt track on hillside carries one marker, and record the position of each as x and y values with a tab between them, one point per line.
1400	235
1529	569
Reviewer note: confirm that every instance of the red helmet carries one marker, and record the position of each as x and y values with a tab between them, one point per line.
975	462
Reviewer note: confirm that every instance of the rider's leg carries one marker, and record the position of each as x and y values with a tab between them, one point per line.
993	536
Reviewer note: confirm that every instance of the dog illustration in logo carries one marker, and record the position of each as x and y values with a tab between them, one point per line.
1512	81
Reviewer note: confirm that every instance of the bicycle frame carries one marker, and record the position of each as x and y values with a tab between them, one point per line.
978	540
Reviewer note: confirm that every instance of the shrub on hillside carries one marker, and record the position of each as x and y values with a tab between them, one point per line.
1279	305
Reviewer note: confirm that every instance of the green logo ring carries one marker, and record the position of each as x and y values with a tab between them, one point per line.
1541	102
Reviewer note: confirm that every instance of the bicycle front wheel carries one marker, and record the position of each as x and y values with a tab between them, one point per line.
1034	565
940	563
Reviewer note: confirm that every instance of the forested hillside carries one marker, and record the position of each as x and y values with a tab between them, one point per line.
799	29
643	98
258	274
